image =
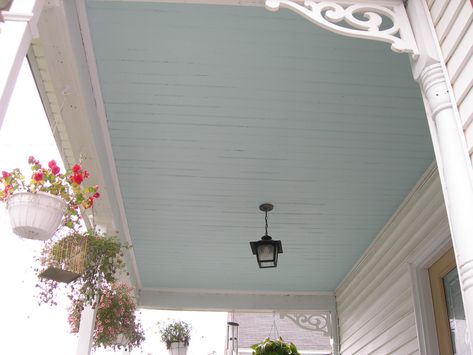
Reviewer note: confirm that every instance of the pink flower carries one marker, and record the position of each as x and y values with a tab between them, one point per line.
76	168
96	195
31	159
38	176
52	164
55	169
5	174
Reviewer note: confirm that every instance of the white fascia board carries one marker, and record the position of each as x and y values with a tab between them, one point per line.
222	300
260	3
64	45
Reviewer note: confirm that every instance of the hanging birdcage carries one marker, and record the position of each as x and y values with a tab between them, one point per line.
65	259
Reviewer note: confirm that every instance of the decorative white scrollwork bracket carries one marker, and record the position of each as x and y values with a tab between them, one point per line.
317	322
387	23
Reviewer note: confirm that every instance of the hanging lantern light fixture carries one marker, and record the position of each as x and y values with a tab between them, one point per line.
266	249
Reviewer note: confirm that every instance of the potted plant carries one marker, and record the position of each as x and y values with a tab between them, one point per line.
38	205
65	260
274	347
116	325
89	261
176	336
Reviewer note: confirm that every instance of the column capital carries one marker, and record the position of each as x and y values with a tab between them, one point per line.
435	88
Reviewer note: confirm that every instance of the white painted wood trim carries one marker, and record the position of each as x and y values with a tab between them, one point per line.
16	34
228	301
68	67
457	177
86	331
421	294
334	15
116	195
237	292
259	3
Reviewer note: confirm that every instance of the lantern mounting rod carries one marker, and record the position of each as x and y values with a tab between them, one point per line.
266	207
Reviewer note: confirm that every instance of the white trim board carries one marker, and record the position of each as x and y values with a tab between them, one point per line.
421	293
251	2
220	300
69	67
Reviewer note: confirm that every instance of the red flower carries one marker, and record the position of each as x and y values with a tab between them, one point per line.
5	174
76	168
31	160
55	169
77	179
52	164
96	195
38	176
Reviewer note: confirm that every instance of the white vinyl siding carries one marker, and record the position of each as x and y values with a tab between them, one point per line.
375	306
453	21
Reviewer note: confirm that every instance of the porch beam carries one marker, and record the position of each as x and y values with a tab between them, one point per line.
450	147
222	300
16	33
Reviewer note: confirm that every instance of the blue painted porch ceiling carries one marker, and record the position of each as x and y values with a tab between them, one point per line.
213	110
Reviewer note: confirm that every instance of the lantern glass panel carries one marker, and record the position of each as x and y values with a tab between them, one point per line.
265	252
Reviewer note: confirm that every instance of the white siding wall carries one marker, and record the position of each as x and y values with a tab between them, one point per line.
453	21
375	307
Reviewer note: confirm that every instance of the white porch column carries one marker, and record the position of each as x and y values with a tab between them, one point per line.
450	147
15	38
86	331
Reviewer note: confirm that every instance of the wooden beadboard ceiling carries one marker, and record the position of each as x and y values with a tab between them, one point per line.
213	110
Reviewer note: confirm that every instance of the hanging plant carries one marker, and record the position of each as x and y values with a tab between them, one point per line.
98	260
274	347
39	204
116	325
175	332
66	259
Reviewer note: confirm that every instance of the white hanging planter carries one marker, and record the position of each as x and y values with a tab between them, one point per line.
178	349
122	340
35	215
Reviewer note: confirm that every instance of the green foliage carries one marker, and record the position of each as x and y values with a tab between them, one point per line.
175	332
274	347
103	264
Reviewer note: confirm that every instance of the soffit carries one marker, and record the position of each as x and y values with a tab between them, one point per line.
213	110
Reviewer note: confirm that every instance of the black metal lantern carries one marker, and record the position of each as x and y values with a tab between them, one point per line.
266	249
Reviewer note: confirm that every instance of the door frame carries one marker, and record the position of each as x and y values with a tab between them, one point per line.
420	285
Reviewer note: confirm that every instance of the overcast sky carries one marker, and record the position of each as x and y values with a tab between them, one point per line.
25	327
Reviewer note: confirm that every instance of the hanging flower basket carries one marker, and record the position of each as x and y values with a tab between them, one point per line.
38	205
66	259
35	215
274	347
178	349
116	325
